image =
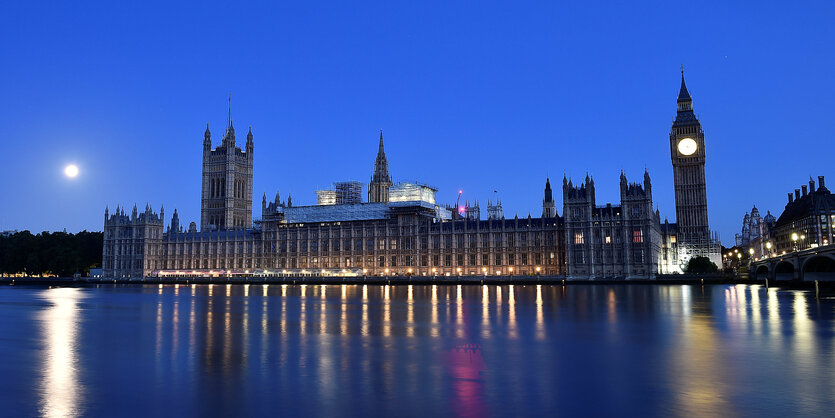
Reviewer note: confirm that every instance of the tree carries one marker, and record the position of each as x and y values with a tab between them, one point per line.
57	253
700	265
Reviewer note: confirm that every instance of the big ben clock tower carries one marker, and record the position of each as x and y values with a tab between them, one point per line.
687	151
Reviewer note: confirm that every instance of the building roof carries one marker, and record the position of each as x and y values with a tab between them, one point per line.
810	205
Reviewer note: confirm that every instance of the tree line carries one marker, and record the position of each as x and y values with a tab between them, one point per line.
58	253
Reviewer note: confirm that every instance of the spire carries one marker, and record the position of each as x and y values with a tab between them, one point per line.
208	133
230	108
683	94
249	135
381	150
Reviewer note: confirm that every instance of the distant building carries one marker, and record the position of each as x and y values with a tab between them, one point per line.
756	232
343	193
807	220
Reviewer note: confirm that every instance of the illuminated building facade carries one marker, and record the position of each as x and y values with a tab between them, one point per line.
226	198
807	220
691	232
608	242
405	234
402	231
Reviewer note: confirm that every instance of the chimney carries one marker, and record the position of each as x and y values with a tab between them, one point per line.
820	183
811	185
791	198
804	189
797	193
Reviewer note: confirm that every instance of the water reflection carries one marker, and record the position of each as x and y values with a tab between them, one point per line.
61	391
464	350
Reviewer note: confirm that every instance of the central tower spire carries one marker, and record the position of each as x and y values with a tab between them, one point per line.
378	188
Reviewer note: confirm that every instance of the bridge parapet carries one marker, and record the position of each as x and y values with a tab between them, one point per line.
805	265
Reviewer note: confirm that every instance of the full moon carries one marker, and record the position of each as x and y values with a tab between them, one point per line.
71	170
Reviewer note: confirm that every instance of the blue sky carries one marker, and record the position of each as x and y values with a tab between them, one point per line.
479	96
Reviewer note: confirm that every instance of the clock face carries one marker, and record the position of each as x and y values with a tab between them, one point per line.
687	146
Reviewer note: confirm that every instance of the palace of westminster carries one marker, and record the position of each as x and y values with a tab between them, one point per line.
401	231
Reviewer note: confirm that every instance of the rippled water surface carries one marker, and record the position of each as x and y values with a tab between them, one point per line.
415	350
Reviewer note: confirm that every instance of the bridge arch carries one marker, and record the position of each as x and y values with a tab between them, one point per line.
761	273
784	270
819	267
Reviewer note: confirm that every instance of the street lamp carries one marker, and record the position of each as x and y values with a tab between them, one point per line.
768	247
794	239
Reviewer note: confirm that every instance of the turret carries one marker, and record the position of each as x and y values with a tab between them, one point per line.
175	222
207	139
249	144
548	208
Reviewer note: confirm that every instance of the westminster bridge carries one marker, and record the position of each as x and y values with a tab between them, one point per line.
805	265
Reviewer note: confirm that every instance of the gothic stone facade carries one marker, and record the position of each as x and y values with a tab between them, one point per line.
381	237
226	198
608	242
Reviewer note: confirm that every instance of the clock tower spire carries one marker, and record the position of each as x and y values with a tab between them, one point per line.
687	151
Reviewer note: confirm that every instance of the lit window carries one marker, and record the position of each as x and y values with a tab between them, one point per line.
578	238
637	236
608	239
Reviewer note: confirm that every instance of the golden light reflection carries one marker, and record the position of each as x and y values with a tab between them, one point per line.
459	314
410	314
485	311
264	289
702	392
61	392
323	321
434	330
265	346
512	330
192	322
365	325
343	313
227	331
387	313
540	316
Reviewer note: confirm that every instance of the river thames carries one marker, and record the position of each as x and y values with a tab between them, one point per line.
416	350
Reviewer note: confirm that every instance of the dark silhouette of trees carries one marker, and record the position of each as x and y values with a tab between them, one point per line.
57	253
700	265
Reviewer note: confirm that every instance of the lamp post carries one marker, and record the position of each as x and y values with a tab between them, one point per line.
768	247
794	239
